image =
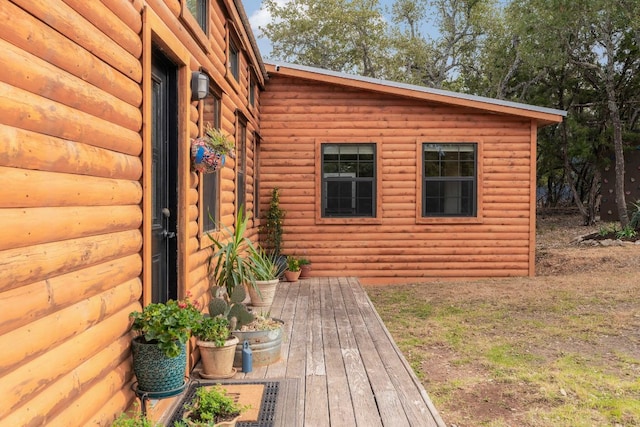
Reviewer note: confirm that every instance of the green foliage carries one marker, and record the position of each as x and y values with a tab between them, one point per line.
231	307
304	261
265	265
228	265
274	223
213	329
136	419
167	324
211	405
606	229
218	141
626	232
293	263
339	35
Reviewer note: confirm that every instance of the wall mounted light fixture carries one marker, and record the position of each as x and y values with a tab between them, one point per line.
199	85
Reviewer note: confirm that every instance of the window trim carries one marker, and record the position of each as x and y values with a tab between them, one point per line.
319	219
232	38
479	216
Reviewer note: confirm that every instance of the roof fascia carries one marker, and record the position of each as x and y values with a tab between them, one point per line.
543	116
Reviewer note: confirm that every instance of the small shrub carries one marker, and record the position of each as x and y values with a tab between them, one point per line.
211	405
626	232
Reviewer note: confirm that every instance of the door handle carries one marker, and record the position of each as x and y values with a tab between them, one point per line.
168	234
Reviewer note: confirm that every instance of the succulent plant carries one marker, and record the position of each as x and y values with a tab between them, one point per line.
231	307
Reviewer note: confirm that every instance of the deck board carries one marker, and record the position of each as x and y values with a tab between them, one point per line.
349	370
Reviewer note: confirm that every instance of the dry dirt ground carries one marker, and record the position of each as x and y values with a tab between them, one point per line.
606	273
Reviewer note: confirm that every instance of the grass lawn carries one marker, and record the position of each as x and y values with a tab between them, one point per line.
559	349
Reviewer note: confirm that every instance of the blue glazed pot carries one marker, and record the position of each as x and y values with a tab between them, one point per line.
157	374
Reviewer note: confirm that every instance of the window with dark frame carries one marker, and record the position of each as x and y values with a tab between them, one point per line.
449	187
348	180
211	181
256	175
252	91
234	60
241	164
199	10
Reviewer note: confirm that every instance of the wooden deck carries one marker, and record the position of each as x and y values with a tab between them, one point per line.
349	371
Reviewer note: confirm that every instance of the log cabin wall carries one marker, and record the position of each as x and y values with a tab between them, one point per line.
398	245
74	154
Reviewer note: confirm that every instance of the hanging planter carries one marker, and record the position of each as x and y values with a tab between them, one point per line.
208	152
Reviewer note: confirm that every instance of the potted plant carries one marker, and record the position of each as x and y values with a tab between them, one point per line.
305	268
211	407
217	347
230	266
208	151
159	351
273	228
293	269
266	271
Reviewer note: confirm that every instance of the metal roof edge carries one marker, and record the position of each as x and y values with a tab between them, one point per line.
423	89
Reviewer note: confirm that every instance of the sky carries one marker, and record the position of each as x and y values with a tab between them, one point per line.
259	18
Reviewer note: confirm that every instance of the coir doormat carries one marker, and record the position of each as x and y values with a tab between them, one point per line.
261	396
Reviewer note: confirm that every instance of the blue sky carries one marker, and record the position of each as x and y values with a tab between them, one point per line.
259	18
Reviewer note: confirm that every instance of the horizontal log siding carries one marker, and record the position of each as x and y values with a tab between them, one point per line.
70	261
70	158
297	113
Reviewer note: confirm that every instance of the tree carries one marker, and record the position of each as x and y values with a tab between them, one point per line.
438	60
340	35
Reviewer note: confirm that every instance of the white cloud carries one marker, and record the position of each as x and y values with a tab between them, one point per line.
259	18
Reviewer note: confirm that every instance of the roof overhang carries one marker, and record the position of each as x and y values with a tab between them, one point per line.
542	115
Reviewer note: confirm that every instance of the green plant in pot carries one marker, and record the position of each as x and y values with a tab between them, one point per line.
266	270
230	267
305	267
159	351
293	269
208	151
217	347
229	272
211	407
274	221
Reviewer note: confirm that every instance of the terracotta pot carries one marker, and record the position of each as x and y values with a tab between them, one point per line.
217	362
305	271
191	423
267	292
292	276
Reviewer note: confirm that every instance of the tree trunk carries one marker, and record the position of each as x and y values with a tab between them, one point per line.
568	173
614	115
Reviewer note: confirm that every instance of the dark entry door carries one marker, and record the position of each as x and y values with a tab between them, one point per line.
164	192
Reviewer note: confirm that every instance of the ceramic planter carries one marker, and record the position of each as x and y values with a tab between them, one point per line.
204	158
217	362
157	374
267	292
